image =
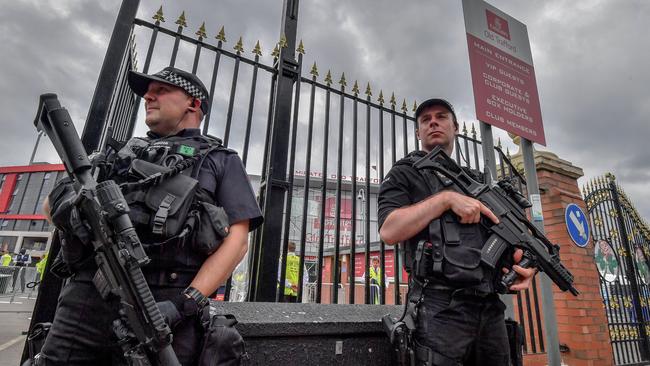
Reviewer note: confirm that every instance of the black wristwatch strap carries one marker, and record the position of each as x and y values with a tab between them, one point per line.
195	294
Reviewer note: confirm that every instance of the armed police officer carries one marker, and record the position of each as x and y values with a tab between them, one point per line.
193	219
459	316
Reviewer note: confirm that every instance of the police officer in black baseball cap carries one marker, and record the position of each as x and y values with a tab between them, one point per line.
434	102
452	296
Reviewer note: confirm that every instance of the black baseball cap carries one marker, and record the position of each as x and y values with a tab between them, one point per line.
433	102
189	82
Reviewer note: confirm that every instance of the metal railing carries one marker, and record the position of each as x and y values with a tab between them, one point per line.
18	281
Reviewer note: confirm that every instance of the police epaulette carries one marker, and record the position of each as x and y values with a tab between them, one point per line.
220	141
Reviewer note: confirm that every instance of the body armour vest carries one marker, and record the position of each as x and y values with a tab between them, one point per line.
177	220
452	252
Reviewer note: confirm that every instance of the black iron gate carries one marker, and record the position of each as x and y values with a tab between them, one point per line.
622	253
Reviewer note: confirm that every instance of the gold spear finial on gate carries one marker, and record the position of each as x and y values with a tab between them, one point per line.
393	102
342	81
328	78
239	47
499	142
258	49
201	32
508	152
276	52
355	88
222	35
368	91
415	106
464	128
314	70
473	132
610	177
283	41
159	17
181	20
404	107
301	48
380	99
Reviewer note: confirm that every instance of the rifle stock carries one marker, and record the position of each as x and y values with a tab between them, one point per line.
514	228
144	335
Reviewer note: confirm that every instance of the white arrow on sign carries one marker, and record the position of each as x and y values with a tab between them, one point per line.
579	224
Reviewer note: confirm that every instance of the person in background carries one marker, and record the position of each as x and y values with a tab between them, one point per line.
5	260
40	267
21	260
375	280
291	276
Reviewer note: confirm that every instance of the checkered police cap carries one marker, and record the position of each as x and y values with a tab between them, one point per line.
192	85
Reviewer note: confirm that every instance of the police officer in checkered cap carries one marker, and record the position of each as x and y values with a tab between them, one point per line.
183	270
153	87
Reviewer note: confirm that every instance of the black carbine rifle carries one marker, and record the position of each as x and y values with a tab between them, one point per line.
141	329
514	228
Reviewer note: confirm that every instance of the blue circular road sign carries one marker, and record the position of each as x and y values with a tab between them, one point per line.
577	225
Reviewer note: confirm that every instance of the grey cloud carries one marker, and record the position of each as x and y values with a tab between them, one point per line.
590	62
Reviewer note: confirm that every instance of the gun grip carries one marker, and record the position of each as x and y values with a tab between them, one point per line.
509	278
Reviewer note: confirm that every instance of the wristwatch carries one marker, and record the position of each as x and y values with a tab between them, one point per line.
201	300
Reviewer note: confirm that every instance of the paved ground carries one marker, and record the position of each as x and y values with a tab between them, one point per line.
14	321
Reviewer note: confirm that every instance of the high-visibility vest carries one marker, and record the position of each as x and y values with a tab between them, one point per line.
40	267
293	265
6	259
375	274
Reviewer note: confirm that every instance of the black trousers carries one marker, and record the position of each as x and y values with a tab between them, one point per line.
463	329
82	332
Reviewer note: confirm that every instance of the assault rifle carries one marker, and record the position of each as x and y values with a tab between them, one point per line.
513	230
141	329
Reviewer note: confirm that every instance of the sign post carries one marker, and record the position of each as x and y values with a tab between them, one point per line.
505	96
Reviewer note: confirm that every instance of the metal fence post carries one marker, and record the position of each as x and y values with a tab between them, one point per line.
274	184
548	305
109	76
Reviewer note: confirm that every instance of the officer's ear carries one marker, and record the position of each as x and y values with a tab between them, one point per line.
195	106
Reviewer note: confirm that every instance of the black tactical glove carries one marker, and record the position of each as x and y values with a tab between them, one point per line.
177	309
61	204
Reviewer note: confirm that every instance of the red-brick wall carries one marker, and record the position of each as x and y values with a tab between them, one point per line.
582	324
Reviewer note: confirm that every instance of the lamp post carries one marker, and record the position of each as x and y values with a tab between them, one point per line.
361	196
38	139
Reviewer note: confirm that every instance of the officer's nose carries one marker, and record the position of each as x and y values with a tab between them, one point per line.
149	95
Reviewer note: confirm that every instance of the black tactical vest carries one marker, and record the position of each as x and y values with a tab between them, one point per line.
177	220
454	256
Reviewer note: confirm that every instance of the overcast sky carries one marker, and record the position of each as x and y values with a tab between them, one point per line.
590	60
